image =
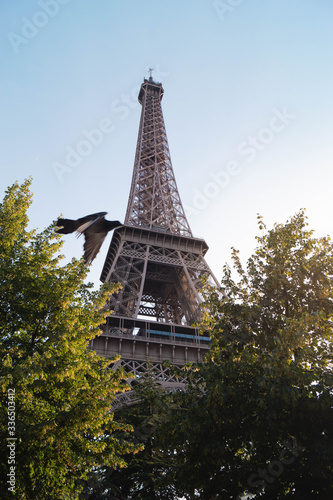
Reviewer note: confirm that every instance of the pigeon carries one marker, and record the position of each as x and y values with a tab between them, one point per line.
94	227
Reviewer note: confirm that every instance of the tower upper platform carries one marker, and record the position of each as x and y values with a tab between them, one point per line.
150	86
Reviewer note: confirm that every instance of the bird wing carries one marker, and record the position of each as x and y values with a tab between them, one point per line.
94	227
92	244
88	221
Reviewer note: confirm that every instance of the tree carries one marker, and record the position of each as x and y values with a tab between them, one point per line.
260	420
148	475
55	392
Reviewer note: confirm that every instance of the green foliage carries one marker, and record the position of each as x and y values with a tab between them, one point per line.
63	391
257	415
263	423
147	476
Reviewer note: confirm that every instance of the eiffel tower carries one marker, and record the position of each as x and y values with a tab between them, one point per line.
157	261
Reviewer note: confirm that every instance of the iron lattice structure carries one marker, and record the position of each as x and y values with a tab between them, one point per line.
154	201
157	261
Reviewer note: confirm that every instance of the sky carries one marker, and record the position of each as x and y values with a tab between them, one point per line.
248	110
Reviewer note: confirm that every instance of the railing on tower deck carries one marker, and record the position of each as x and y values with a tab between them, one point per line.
138	328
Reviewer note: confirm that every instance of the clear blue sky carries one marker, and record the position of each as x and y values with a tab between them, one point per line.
248	100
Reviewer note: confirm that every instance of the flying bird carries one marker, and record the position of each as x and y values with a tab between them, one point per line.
94	227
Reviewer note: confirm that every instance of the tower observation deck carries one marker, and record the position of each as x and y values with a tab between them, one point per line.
157	261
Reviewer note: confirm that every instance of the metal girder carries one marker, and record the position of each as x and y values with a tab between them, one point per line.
158	263
160	373
154	200
170	277
155	254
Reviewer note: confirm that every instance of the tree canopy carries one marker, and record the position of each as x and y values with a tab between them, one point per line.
148	475
258	416
56	391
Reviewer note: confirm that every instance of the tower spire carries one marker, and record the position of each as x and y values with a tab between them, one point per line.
154	201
